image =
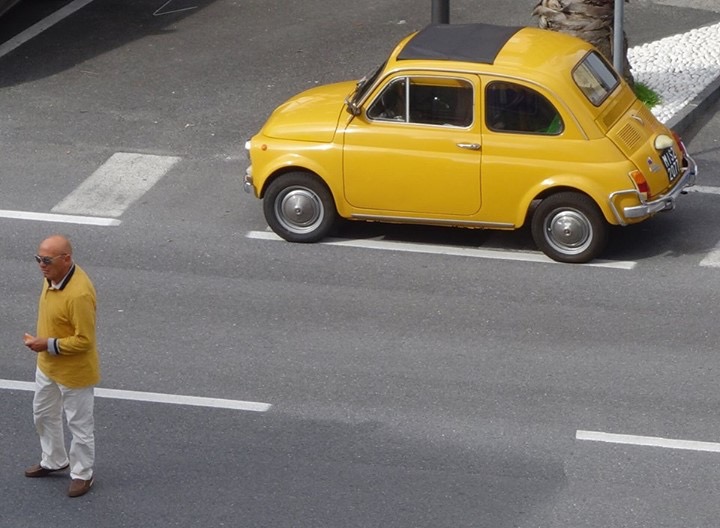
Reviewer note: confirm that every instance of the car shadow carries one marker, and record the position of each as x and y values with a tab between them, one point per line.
519	240
671	234
667	234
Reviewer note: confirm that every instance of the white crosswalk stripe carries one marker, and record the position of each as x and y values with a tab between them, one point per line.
116	184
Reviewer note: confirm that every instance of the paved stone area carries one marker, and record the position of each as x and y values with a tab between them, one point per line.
680	68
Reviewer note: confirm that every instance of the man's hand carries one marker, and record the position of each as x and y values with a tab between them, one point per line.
36	344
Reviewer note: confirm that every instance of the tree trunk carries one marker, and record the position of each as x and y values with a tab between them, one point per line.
590	20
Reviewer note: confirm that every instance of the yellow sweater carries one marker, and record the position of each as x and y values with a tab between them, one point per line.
68	314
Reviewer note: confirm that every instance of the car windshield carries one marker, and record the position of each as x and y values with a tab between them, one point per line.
364	84
595	78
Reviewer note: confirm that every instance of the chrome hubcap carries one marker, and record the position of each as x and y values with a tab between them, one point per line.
568	231
299	210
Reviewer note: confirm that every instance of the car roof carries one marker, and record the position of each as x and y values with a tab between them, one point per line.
533	52
479	43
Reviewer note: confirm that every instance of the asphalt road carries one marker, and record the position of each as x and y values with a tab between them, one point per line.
406	389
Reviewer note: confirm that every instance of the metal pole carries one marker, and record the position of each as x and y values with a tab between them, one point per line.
440	11
618	41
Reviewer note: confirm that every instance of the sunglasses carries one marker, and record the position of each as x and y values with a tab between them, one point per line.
48	260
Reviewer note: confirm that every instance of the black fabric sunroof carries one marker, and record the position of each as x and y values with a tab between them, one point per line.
462	42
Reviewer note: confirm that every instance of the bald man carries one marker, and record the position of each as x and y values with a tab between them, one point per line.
67	366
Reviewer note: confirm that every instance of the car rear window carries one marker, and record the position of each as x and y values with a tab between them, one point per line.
595	78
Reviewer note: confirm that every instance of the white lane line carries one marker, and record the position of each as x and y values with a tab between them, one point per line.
64	219
155	397
704	189
523	256
177	399
648	441
47	22
116	184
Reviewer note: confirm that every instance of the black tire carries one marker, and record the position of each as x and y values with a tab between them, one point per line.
569	227
299	207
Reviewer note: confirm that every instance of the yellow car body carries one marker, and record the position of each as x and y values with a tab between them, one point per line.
474	126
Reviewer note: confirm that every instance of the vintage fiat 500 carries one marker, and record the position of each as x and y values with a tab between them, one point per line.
475	126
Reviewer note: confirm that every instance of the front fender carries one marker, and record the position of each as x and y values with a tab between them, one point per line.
322	159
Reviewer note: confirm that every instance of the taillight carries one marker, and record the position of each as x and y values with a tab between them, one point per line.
641	183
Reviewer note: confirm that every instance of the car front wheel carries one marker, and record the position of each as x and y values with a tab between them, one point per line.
299	207
569	227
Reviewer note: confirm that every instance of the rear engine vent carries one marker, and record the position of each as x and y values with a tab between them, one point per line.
630	136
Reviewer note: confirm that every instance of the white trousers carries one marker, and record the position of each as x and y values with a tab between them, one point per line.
50	400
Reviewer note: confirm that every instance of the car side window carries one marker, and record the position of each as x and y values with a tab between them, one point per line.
512	107
441	101
392	103
425	100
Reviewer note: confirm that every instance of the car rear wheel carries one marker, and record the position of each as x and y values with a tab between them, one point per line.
299	207
569	227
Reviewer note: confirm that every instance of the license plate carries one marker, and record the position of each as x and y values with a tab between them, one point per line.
670	160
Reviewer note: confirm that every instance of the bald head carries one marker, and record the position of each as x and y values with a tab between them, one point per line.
58	250
56	244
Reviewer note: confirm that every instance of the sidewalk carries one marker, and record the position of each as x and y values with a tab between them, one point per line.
684	70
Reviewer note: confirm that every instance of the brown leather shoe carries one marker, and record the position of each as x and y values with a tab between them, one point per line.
38	471
80	487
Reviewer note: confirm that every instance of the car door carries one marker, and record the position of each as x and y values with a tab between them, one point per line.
415	149
527	143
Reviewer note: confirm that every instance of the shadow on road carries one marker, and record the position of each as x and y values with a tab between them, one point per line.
199	467
97	28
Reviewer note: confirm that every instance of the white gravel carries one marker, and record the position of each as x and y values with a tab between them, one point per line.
678	68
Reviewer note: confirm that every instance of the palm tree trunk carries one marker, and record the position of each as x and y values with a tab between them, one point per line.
590	20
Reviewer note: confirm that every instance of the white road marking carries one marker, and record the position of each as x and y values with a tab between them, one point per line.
47	22
65	219
648	441
704	189
116	184
161	10
523	256
155	397
712	260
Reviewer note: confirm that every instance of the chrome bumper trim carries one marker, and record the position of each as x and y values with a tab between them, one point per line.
665	202
248	181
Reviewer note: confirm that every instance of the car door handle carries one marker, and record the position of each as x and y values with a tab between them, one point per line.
469	146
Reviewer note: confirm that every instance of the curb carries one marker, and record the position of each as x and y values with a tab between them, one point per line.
696	109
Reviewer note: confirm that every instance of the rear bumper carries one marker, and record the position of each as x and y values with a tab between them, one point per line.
666	202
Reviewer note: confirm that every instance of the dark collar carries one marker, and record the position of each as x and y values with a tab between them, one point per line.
64	281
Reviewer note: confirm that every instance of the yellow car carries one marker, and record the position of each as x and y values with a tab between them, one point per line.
477	126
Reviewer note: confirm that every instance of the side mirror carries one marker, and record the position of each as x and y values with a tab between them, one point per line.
352	108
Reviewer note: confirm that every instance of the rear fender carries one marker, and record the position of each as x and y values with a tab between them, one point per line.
563	183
